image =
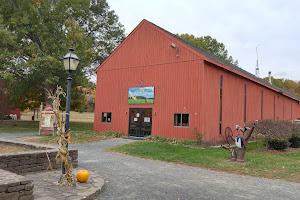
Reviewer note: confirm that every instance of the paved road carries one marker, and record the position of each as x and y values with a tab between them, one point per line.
133	178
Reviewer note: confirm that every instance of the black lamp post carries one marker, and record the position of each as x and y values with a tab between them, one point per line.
70	62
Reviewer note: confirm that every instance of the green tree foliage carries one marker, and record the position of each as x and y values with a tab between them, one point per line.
287	85
210	44
36	34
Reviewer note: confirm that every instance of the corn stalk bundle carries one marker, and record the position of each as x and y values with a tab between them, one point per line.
63	153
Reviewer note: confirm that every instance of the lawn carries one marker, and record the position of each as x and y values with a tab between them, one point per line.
275	165
11	126
76	137
10	149
74	116
140	101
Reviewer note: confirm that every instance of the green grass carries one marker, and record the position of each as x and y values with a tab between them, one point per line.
258	163
140	101
77	137
11	126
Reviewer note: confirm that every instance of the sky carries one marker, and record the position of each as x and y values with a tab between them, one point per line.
271	26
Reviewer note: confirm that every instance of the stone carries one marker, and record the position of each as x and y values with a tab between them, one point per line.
13	164
25	182
3	188
21	193
31	161
15	188
27	197
29	192
13	184
3	165
29	187
10	196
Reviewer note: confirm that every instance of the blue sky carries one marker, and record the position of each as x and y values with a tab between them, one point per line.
147	92
240	25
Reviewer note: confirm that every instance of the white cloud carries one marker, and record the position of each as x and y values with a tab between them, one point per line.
240	25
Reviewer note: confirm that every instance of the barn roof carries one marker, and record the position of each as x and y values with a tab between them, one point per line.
228	64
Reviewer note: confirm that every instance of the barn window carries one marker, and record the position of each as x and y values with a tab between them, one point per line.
181	119
106	117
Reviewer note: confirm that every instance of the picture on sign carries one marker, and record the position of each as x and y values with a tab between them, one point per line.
47	120
141	95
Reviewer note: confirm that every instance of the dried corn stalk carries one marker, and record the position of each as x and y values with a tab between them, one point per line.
62	154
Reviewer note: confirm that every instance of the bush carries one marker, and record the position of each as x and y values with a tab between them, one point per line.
198	136
275	131
295	140
279	144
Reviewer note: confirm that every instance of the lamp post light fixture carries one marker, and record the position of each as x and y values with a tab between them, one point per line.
70	63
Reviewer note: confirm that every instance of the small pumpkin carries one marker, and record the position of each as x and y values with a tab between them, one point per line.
82	176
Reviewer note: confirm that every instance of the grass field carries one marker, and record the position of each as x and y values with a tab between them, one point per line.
140	101
74	116
10	149
11	126
275	165
78	122
76	137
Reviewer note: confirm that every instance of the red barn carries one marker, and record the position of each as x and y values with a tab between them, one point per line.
156	83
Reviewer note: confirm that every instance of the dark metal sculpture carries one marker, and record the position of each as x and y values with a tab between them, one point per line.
239	155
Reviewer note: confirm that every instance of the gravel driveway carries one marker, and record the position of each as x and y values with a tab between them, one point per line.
134	178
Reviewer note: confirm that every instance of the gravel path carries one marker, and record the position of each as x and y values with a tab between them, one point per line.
133	178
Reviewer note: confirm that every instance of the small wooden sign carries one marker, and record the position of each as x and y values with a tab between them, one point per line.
47	120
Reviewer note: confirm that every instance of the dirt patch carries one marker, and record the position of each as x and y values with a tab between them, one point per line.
10	149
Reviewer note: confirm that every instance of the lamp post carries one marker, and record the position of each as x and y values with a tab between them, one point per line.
70	63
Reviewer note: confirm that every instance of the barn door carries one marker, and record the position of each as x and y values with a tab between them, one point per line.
140	122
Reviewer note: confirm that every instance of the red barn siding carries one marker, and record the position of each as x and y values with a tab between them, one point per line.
182	84
171	96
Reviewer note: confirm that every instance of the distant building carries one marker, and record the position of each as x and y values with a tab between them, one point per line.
192	88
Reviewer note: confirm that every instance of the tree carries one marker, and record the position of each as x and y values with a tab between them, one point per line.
210	44
36	34
286	84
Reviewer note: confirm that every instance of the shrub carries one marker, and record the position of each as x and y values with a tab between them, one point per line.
198	136
279	144
295	140
276	131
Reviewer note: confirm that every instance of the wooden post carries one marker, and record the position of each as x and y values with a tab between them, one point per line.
41	108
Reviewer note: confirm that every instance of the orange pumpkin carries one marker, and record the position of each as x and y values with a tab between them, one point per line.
82	176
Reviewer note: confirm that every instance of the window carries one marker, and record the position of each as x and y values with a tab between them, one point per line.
181	119
106	117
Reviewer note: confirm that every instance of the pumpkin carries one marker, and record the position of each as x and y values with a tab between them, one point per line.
82	176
